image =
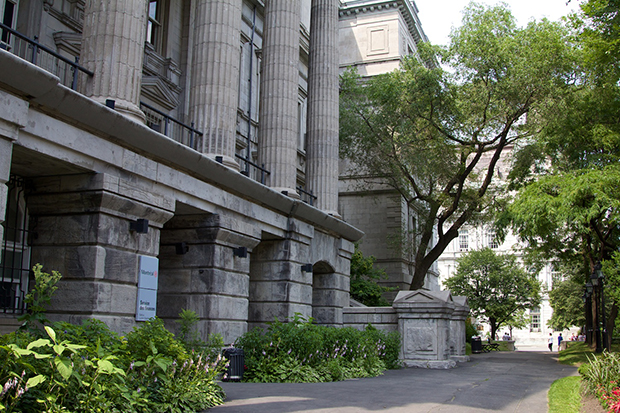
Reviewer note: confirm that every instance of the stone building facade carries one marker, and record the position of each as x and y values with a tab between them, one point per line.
195	170
374	38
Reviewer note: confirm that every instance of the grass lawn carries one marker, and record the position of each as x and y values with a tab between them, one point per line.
577	353
565	395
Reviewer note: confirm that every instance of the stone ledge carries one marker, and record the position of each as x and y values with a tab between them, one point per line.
430	364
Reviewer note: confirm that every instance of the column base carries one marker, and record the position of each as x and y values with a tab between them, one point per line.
291	193
224	160
125	108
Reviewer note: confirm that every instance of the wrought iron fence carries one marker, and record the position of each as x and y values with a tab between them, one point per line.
172	128
31	50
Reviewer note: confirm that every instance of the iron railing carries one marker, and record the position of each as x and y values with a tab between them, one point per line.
39	55
172	128
260	171
307	197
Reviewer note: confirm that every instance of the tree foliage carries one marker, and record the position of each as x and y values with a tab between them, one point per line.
568	209
364	278
565	299
436	135
496	286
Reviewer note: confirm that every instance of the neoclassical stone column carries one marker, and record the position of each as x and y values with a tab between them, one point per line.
322	151
113	48
214	89
279	94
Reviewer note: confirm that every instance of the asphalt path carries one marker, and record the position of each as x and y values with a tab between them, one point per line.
494	382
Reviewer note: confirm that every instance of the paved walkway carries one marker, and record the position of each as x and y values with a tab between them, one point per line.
498	382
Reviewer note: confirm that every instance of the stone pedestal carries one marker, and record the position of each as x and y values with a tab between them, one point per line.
214	91
278	286
424	324
199	271
457	329
113	48
81	228
279	96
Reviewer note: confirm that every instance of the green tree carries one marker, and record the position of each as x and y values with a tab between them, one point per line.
436	135
496	286
573	217
566	300
569	209
364	278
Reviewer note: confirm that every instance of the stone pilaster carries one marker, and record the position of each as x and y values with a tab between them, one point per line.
330	282
278	286
14	115
458	334
322	151
279	94
81	228
214	89
113	48
206	277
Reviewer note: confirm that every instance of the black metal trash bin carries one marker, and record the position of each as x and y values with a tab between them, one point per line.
236	363
476	345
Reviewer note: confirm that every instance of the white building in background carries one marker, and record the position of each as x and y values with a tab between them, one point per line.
477	237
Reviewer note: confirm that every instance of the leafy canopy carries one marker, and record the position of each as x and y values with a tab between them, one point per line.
435	135
496	286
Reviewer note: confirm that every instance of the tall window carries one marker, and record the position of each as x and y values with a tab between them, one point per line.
463	240
15	259
535	319
492	239
8	11
154	26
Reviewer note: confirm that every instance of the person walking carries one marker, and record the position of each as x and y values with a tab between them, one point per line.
560	339
550	342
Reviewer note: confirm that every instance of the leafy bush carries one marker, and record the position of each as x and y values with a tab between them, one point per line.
300	351
88	368
38	298
602	378
364	278
470	330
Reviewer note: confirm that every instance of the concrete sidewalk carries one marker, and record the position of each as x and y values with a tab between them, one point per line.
498	381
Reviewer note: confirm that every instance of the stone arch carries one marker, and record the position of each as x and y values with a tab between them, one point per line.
326	291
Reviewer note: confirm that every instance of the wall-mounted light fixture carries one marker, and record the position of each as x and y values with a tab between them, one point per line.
181	248
240	252
141	226
306	267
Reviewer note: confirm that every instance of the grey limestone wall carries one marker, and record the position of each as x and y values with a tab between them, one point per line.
382	318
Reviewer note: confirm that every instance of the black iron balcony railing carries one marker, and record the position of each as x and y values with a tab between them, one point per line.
172	128
69	72
261	172
31	50
306	196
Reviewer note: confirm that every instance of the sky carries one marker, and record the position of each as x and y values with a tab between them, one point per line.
439	16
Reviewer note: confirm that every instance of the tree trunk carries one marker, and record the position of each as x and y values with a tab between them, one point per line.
611	321
423	262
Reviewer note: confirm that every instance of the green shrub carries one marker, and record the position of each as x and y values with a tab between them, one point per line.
88	368
300	351
601	376
151	337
